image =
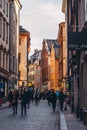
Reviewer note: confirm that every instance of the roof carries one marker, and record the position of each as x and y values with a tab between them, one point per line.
56	46
23	30
36	56
84	29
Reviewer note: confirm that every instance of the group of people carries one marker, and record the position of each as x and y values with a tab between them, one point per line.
26	96
62	99
15	96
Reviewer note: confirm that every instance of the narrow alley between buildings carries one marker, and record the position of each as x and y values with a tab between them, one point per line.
38	117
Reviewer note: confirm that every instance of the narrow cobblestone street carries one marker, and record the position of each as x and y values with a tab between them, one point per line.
39	117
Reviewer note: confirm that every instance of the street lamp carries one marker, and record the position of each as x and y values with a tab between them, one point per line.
10	0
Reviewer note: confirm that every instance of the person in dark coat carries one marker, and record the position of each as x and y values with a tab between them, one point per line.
23	102
61	99
29	96
48	97
1	97
36	96
32	95
10	98
53	99
15	101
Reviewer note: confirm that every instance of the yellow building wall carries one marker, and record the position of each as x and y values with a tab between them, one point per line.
23	60
56	75
62	54
53	71
31	73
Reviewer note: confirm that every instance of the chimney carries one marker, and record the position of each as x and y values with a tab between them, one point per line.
36	50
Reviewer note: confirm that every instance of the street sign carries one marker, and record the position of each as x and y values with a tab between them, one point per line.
77	41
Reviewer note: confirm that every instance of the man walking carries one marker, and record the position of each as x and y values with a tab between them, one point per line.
23	102
53	99
15	101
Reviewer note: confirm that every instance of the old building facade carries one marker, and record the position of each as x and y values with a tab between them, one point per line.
4	45
8	43
49	64
45	66
24	48
35	77
54	62
31	74
14	20
76	15
62	56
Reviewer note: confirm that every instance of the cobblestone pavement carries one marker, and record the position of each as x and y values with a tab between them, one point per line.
38	117
73	123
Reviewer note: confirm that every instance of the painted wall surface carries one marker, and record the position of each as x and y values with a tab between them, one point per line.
23	60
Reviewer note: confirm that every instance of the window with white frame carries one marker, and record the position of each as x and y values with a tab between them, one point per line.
19	41
19	75
0	3
0	27
11	63
6	9
4	61
7	62
4	5
3	30
6	33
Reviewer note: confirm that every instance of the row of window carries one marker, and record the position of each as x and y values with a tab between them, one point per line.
31	69
19	75
38	79
4	30
31	77
13	64
44	75
4	6
38	71
19	58
44	63
4	61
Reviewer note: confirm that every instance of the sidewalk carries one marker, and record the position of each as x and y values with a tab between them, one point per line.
4	105
69	121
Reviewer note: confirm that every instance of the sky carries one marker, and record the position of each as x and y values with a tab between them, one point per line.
41	18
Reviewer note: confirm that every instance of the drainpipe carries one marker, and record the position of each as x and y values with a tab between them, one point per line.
78	62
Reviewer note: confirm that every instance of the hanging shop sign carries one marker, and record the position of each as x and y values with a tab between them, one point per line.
77	41
29	84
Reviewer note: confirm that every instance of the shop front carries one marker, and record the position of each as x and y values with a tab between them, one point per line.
4	76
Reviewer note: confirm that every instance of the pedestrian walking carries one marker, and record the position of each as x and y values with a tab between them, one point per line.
15	101
28	98
49	97
23	102
32	95
36	96
1	96
61	99
10	98
53	99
